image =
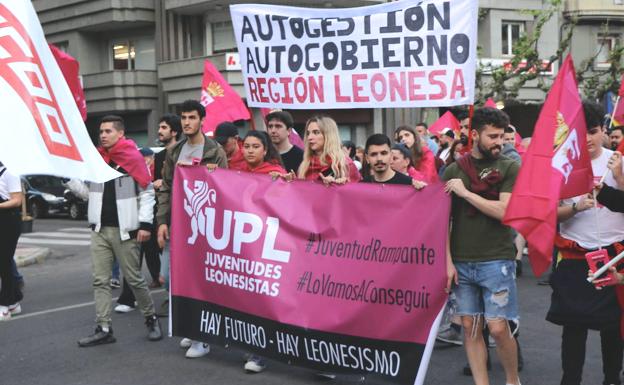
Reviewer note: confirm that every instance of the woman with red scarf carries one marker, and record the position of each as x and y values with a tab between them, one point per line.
423	159
260	155
323	158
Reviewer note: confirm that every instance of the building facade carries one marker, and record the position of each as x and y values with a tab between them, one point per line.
142	58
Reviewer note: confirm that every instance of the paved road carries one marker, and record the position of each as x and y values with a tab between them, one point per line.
39	347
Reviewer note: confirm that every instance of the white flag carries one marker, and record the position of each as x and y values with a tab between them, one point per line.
42	130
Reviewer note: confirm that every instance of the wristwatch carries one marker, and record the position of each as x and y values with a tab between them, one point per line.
574	209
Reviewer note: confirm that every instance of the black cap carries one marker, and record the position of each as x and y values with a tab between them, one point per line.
224	131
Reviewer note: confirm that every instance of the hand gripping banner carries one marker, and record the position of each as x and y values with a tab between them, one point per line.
342	279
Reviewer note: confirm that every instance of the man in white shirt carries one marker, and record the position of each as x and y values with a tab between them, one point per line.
10	222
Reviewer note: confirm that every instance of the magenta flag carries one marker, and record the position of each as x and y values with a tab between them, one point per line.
307	274
222	103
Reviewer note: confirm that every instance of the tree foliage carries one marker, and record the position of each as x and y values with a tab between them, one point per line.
526	64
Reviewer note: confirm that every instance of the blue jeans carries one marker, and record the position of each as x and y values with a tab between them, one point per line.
487	288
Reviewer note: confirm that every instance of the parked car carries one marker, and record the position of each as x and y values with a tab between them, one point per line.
46	194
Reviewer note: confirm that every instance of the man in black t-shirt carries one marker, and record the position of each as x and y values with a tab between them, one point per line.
378	155
279	126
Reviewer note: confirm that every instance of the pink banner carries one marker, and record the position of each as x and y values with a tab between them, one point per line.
361	260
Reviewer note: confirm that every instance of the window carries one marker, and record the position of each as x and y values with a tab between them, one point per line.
604	46
223	37
123	56
511	31
135	54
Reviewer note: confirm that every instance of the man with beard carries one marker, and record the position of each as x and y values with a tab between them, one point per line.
447	137
169	130
616	136
481	252
379	156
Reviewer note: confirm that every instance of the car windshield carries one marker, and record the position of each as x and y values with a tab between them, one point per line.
44	181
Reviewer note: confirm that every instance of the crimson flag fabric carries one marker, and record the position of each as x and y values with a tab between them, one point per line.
71	72
448	120
222	103
621	90
126	155
618	112
490	103
556	165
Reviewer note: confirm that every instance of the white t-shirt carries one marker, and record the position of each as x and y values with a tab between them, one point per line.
586	227
9	183
444	154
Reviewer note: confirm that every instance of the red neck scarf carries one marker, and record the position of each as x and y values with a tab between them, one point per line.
484	185
237	161
125	154
316	168
264	168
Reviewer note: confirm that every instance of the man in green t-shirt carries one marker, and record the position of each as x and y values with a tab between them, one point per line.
481	252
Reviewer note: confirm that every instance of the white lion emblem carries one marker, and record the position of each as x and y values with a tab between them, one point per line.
194	206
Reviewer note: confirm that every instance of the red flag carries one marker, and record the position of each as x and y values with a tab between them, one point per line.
618	112
71	72
222	103
448	120
621	90
490	103
548	175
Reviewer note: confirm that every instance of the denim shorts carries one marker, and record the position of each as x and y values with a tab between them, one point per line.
487	288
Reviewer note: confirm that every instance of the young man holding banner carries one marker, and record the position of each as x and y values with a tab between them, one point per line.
194	148
481	252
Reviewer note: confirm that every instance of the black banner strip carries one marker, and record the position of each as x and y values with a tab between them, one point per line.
397	362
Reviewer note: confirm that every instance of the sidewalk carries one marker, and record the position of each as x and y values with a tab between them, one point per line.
25	256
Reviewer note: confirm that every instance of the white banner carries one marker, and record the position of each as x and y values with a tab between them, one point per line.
400	54
42	130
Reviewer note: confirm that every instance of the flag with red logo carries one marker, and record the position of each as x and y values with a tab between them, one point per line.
48	135
448	120
71	72
618	110
556	165
222	103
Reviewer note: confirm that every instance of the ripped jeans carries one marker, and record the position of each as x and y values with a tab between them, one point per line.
487	288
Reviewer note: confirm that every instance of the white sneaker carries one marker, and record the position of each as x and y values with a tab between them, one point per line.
197	349
254	365
15	308
5	314
186	343
123	309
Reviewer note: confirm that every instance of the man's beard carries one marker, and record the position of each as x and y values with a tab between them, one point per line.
487	153
444	145
614	146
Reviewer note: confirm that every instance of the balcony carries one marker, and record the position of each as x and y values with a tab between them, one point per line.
58	16
594	9
121	91
181	79
195	6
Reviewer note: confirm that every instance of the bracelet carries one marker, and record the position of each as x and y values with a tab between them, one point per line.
574	209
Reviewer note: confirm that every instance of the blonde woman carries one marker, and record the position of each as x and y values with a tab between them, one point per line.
323	158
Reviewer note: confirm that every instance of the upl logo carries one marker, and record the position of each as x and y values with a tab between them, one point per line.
238	227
